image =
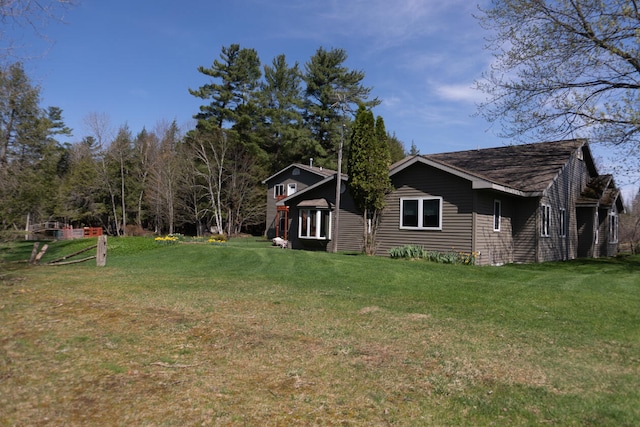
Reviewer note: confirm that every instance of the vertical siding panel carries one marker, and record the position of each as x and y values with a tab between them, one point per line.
493	247
562	194
525	230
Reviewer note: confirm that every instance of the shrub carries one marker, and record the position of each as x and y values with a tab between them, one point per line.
408	251
418	252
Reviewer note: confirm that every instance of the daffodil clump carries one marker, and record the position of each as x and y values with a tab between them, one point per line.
167	240
217	239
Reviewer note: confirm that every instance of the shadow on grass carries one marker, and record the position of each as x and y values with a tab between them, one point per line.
626	263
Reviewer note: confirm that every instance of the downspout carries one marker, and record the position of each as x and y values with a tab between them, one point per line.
474	228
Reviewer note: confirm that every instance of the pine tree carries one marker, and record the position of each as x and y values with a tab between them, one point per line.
331	89
285	138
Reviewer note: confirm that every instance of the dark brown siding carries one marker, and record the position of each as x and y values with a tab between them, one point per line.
420	180
525	229
493	247
562	194
303	180
350	237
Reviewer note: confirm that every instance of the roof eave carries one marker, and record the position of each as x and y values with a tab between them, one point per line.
487	185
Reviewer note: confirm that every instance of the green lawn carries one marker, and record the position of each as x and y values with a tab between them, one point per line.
248	334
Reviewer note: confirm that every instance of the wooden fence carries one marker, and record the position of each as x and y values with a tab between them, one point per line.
100	256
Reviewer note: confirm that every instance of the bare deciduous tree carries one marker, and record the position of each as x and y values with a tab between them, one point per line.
27	15
565	68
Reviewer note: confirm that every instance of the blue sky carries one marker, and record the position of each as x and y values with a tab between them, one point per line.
134	61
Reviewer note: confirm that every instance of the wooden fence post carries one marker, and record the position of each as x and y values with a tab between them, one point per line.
101	254
34	252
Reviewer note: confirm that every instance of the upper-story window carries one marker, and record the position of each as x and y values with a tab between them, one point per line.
278	190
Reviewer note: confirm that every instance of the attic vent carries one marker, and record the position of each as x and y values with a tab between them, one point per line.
295	172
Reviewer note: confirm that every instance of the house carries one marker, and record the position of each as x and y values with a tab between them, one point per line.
285	183
512	204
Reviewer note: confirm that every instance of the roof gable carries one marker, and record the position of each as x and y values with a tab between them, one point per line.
525	170
319	171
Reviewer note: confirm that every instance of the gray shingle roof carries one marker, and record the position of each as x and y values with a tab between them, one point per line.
528	168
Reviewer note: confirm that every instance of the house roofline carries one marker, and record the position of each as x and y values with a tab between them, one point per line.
315	170
477	182
283	202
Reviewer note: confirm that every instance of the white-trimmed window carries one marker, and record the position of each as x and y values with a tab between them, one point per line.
422	213
545	220
613	227
278	190
314	224
563	223
497	214
292	187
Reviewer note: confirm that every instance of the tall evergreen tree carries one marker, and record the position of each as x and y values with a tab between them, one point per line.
232	93
284	136
332	89
80	195
368	169
31	159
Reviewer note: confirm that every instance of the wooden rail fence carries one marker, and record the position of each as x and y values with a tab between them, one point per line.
100	256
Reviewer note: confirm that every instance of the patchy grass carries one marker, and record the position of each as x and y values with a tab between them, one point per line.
247	334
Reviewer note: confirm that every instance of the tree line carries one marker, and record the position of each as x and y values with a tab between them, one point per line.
254	120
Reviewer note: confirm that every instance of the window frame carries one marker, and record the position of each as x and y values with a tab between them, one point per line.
613	227
316	226
497	215
545	220
277	193
420	213
563	223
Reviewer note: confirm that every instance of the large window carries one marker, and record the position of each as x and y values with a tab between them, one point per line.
545	220
613	227
314	224
424	213
497	214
